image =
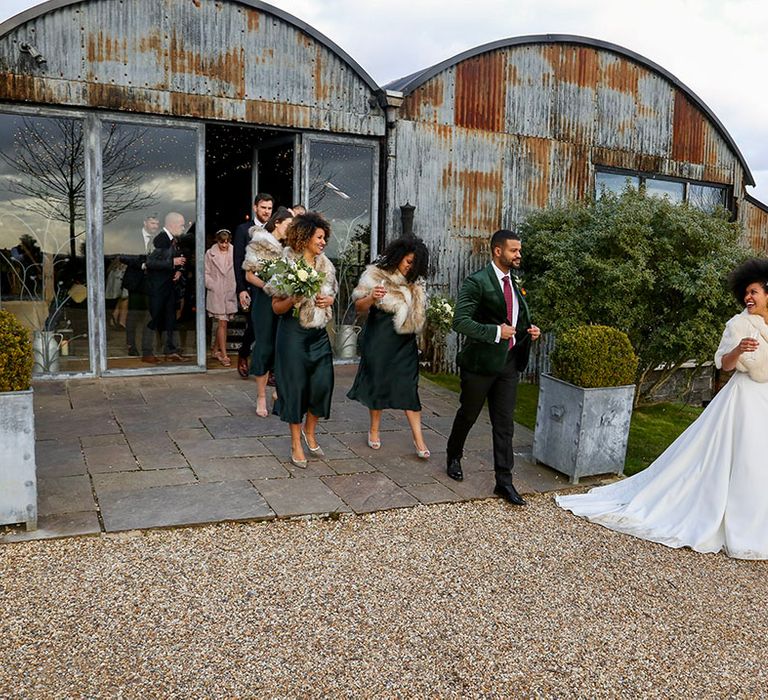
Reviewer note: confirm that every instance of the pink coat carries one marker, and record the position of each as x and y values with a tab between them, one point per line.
220	282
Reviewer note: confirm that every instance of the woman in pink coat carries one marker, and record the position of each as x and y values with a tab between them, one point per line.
221	301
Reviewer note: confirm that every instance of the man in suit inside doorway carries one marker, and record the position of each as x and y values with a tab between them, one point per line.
262	210
492	315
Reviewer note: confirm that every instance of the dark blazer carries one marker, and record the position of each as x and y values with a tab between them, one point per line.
240	241
160	267
134	279
480	309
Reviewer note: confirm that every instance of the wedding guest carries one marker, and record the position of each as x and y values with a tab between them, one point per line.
221	300
707	490
265	246
298	209
303	357
262	210
391	292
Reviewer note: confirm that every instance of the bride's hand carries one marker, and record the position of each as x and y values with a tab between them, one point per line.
748	345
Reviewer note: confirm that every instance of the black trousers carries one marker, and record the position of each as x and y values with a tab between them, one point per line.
501	392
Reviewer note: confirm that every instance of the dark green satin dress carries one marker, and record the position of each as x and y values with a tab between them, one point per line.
264	331
303	370
388	373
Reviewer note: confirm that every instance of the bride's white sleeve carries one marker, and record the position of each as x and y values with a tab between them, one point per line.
730	339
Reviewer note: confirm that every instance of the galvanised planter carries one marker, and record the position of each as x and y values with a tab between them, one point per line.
582	432
18	473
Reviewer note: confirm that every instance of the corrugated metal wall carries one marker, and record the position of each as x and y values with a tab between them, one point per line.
206	59
517	128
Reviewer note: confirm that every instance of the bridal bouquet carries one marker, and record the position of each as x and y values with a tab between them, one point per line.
295	278
268	269
440	313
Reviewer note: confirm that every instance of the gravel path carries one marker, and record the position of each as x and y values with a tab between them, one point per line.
451	601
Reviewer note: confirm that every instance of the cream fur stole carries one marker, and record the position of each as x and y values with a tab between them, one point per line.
739	327
406	301
263	246
309	315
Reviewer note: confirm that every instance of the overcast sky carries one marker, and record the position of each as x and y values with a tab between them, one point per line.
718	48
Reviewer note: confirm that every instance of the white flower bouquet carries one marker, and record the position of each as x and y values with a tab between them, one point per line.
440	312
295	278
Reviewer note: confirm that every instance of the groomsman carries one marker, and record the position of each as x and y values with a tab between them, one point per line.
492	315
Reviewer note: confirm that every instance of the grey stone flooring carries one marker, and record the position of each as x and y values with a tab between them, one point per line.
119	454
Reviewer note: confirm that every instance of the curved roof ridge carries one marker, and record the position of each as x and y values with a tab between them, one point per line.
51	5
409	83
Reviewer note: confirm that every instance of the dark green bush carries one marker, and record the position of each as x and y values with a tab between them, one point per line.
15	354
594	356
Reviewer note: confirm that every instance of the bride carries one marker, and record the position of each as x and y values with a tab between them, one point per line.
707	491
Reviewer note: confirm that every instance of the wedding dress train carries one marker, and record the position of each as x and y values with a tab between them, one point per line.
709	489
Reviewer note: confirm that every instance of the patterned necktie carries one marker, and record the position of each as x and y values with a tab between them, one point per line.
508	299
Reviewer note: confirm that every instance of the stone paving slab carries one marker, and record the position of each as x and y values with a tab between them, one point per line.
64	494
292	497
186	449
366	493
54	526
137	480
188	504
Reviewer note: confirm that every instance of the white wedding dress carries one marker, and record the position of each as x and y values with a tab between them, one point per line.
709	489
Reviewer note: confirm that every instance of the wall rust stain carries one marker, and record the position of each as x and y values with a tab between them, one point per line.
480	92
573	64
227	67
253	19
322	88
621	75
278	114
430	95
688	125
536	154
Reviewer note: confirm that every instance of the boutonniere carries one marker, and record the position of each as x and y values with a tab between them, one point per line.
517	280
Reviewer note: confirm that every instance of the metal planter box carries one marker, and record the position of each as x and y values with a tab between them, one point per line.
581	432
18	473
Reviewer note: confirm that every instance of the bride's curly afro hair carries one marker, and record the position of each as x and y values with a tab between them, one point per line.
750	271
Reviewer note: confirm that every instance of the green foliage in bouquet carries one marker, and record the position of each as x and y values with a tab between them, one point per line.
295	278
594	356
440	312
15	354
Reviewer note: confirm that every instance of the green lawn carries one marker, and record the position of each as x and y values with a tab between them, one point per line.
653	427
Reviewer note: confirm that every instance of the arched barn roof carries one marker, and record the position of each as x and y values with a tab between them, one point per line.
45	7
410	83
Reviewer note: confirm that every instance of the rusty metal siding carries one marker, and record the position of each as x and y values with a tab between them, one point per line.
755	221
562	111
206	59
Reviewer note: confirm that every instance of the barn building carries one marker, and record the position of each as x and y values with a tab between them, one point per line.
114	114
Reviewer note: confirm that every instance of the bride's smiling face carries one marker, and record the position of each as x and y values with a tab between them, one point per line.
756	299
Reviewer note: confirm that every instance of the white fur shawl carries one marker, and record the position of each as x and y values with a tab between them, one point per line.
263	246
310	316
406	301
739	327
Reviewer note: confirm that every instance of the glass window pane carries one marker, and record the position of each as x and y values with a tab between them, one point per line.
149	181
43	276
341	188
664	188
613	182
706	198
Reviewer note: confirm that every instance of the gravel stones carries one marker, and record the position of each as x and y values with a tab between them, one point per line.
455	600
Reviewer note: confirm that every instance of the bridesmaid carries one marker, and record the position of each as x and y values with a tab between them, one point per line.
265	245
391	291
304	361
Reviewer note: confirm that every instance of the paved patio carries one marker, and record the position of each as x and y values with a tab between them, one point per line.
142	452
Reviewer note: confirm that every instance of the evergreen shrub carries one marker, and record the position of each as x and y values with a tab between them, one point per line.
15	354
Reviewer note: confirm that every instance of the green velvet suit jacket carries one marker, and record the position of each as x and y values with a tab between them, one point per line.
480	309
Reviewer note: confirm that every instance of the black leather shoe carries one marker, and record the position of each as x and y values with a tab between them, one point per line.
510	494
454	469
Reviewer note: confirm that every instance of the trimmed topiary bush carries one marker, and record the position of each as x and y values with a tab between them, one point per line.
15	354
594	356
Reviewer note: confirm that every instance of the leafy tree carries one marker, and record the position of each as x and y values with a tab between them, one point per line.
653	269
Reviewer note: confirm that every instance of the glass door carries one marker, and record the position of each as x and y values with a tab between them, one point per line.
148	185
341	182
